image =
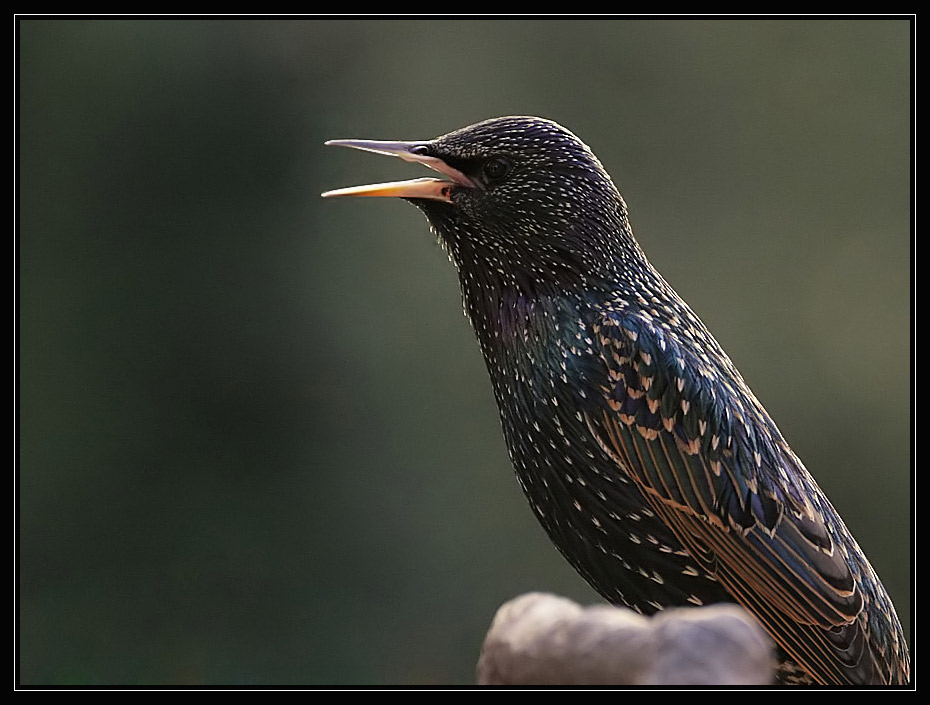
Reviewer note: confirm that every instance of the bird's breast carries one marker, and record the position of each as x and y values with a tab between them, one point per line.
546	373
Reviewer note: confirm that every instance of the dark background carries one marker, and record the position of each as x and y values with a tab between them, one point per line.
256	440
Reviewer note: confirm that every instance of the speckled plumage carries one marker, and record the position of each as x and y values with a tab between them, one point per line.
641	450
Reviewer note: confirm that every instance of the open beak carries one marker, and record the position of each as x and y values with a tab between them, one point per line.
436	189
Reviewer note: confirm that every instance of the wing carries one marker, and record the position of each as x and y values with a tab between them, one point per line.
680	421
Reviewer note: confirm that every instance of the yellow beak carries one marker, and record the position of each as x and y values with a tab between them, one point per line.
435	189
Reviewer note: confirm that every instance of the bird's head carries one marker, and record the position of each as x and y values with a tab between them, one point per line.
523	199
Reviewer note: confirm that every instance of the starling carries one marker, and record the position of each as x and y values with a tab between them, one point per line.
646	458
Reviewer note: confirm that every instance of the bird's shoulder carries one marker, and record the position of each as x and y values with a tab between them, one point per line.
670	382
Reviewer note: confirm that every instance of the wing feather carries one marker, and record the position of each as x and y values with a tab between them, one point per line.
715	468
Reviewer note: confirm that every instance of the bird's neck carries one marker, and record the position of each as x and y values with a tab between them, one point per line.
521	329
548	296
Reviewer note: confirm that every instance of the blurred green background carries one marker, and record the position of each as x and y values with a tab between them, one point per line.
257	444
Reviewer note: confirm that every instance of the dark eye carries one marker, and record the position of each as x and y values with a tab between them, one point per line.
496	168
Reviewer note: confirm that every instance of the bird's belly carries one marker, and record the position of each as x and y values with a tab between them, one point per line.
596	516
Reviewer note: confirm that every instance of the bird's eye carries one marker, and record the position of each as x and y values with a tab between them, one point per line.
496	168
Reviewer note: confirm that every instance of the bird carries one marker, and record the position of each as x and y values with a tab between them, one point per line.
644	455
